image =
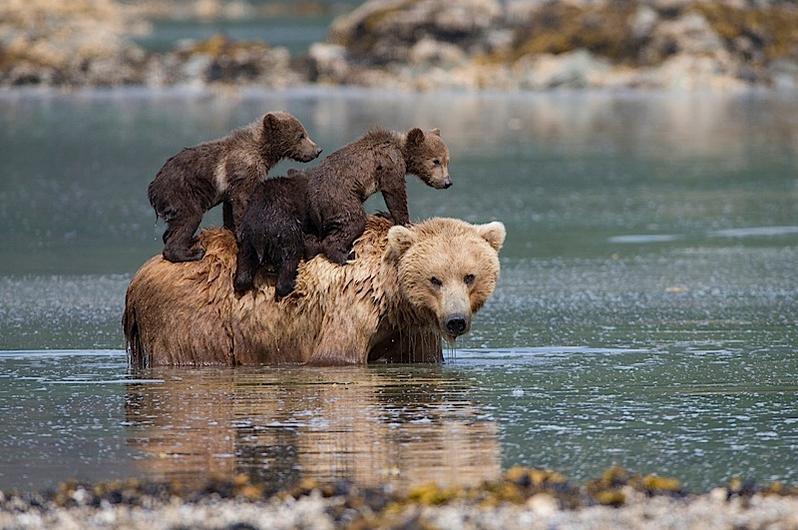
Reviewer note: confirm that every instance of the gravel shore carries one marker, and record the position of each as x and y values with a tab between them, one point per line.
522	499
315	511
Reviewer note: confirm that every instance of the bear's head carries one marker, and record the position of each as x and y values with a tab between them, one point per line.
427	157
286	137
447	269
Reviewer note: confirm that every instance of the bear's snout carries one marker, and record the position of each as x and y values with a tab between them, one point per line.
456	325
447	183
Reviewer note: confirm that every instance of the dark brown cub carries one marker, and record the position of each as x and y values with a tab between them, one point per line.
274	229
225	170
378	161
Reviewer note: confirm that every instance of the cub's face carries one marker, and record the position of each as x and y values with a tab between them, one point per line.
428	157
447	269
289	138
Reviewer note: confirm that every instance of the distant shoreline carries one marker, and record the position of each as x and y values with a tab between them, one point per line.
355	91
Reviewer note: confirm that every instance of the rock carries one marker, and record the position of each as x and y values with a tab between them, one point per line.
690	72
784	75
689	34
431	52
543	505
76	42
643	22
328	63
384	31
576	69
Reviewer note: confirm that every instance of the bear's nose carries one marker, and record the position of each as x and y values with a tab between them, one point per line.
456	325
447	183
318	151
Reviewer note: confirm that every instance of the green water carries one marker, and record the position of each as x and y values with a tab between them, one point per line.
647	313
296	33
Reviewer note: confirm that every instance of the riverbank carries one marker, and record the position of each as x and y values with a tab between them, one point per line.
523	498
469	45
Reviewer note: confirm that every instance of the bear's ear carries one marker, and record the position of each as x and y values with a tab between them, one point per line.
436	132
494	233
270	122
400	238
415	136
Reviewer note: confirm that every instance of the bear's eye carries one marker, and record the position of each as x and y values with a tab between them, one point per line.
468	279
435	281
302	136
437	162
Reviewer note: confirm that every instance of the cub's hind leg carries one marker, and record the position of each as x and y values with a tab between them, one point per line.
341	233
286	277
291	252
179	237
246	266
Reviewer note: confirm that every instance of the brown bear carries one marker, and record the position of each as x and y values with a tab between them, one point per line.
224	170
378	161
275	229
409	287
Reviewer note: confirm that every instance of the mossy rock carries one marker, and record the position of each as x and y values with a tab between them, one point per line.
557	27
772	30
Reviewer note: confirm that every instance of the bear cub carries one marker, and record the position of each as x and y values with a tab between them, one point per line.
378	161
225	170
275	230
321	210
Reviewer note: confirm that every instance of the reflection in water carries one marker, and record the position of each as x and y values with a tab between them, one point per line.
369	425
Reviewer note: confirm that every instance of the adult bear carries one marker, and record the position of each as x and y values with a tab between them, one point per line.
408	287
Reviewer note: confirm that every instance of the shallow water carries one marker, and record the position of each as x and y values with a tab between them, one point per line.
647	313
292	32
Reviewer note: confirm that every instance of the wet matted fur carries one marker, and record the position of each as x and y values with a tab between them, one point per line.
379	306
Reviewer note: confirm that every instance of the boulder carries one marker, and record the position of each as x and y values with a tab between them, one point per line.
384	31
575	69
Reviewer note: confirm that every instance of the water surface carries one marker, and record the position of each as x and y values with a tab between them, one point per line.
647	312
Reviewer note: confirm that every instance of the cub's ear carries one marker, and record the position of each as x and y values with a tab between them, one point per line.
415	136
270	122
494	233
436	132
400	238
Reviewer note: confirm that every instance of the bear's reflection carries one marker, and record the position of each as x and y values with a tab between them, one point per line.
371	425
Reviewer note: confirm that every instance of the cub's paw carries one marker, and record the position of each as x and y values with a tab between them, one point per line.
180	255
352	256
281	291
337	256
242	285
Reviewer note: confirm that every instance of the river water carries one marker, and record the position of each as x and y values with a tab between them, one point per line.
647	312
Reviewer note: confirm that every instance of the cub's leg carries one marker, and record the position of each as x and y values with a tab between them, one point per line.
293	248
341	233
312	246
179	237
227	216
286	278
246	266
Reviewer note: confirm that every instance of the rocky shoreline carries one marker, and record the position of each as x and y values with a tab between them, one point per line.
425	45
523	498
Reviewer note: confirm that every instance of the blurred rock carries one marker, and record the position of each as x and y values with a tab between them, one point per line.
690	33
384	31
419	45
327	63
577	69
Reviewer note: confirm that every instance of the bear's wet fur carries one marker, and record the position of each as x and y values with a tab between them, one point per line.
378	161
274	230
225	170
381	306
